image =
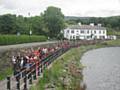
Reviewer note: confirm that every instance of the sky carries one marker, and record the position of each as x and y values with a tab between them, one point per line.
82	8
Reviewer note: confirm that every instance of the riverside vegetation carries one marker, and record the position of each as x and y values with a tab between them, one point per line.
66	71
56	71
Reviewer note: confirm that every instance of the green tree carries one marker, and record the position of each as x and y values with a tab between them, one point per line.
38	25
7	24
22	25
54	20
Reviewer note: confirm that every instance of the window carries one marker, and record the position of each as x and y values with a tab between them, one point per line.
67	31
88	37
91	31
88	32
77	31
81	31
103	32
99	32
77	37
95	32
72	31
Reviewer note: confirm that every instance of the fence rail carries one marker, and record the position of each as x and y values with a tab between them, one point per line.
23	79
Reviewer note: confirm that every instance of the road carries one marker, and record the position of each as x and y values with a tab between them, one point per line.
9	47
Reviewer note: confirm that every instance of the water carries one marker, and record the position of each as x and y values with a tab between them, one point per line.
102	70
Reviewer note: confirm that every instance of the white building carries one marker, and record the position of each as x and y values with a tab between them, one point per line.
112	37
87	32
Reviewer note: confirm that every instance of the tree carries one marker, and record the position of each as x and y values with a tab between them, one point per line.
7	24
38	25
54	20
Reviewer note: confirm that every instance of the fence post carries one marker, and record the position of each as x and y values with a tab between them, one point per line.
34	74
8	83
18	84
25	81
39	70
30	80
44	65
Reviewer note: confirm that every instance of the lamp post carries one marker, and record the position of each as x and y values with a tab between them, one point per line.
30	31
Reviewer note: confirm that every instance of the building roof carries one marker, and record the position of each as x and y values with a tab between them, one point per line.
86	27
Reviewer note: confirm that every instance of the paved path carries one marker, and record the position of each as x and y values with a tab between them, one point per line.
8	47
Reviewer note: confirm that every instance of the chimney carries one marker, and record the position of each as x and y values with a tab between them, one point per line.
91	24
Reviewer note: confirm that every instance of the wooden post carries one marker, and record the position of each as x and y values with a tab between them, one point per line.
25	82
8	83
34	74
18	84
38	70
30	80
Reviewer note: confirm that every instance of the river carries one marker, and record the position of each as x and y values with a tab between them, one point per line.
102	71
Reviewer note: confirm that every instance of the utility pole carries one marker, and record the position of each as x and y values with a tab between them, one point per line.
30	31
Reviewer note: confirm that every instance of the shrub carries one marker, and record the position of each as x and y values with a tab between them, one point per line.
13	39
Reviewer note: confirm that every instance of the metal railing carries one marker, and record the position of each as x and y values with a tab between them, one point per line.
23	79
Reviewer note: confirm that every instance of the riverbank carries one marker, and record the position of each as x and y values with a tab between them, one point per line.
66	72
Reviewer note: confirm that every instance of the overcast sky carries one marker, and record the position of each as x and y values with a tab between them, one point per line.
98	8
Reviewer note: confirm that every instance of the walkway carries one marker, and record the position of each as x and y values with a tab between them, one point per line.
8	47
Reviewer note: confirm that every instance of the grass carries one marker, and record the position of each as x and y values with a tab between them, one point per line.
52	75
113	32
56	71
113	42
13	39
6	73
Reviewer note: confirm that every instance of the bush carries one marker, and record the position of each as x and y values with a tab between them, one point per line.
13	39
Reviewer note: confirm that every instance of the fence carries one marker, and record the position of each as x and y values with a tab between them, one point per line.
23	79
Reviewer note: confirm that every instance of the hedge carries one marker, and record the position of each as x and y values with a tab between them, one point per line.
13	39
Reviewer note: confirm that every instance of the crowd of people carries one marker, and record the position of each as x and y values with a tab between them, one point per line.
24	60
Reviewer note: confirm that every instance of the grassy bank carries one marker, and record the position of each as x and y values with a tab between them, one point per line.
60	76
13	39
54	76
58	67
5	73
5	65
64	67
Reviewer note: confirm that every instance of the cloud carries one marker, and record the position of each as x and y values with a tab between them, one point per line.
8	4
102	13
68	7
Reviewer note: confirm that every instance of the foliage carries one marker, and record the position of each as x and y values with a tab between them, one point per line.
54	20
7	24
13	39
50	23
53	75
5	73
112	23
56	71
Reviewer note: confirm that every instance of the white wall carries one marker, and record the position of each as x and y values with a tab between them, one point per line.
77	32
